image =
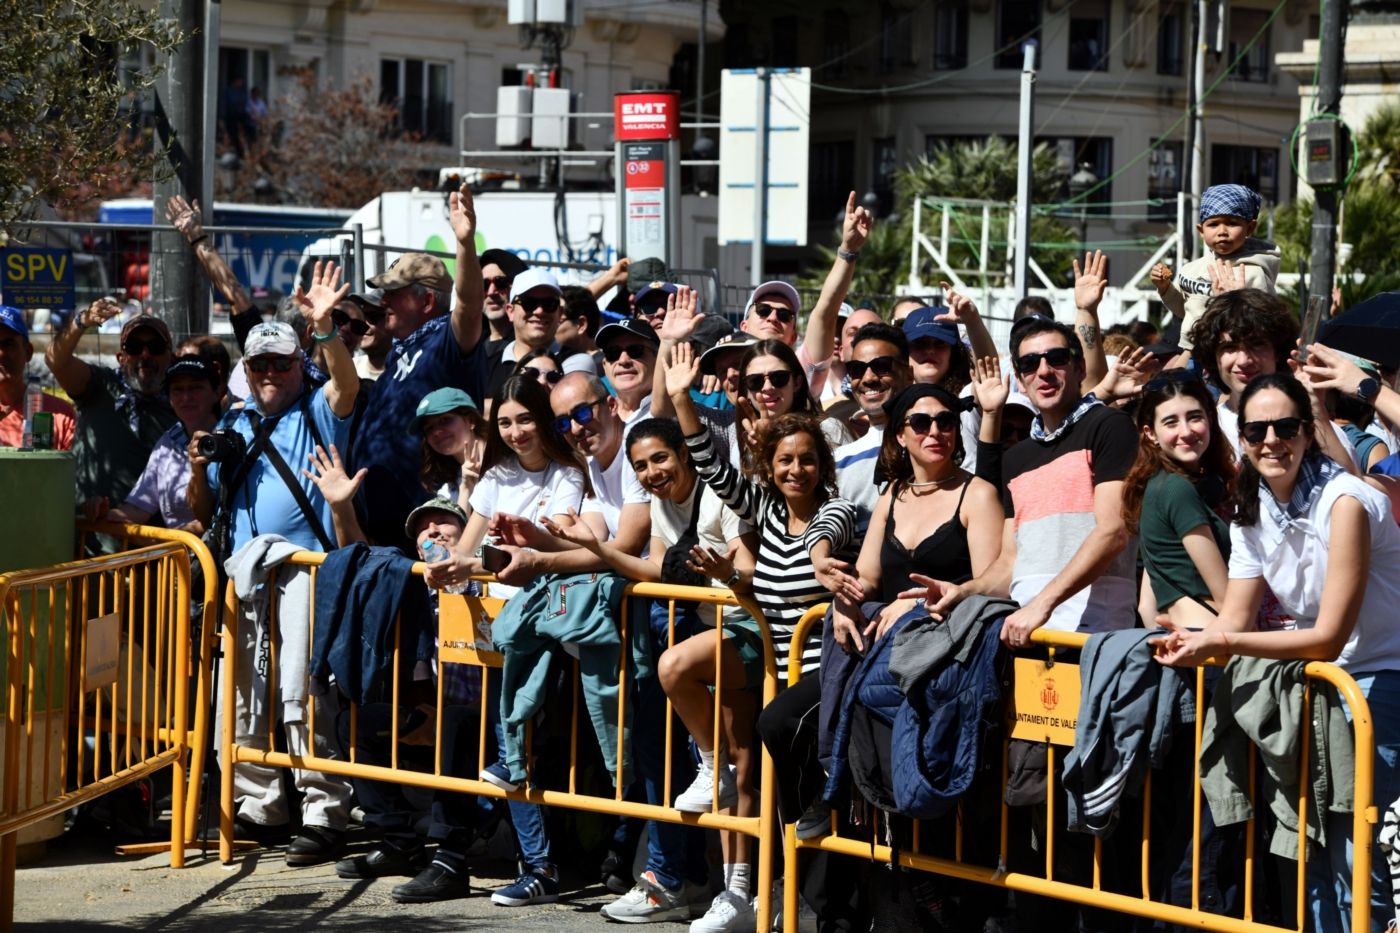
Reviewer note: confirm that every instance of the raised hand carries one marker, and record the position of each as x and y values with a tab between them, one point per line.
681	370
751	420
990	389
961	309
1225	276
99	312
1328	369
328	473
856	227
462	215
326	292
1090	280
184	217
1161	276
681	316
1127	375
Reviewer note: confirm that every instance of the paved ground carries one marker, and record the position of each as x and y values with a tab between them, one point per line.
82	887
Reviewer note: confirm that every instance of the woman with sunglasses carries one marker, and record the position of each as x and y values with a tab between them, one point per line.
539	365
1174	496
454	440
771	384
1325	543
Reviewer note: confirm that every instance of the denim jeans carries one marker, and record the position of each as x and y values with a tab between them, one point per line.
528	818
675	853
1329	874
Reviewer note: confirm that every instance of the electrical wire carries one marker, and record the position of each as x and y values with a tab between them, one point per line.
1150	8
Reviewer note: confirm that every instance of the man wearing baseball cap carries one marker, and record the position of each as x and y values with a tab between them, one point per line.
15	354
536	303
122	412
499	267
431	348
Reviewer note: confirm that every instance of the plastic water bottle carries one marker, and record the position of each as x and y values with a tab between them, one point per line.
434	551
33	404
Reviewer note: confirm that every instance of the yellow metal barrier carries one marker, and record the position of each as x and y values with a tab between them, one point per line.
570	798
1059	730
97	650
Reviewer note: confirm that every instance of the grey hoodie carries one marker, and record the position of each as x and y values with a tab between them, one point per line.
1260	259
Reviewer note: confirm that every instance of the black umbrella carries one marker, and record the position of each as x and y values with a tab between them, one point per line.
1371	330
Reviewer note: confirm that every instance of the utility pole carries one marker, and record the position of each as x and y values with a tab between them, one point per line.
178	296
760	172
1322	264
1023	170
1198	118
700	65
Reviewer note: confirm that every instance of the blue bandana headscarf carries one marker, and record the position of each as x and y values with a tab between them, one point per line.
1229	201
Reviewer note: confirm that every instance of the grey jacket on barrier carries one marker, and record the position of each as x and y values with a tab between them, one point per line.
1128	707
1261	701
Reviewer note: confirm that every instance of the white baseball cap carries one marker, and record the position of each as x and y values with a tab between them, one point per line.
775	288
533	278
273	338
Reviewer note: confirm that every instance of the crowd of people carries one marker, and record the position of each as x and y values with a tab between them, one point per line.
1212	481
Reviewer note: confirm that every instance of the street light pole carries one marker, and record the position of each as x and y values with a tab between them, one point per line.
1021	267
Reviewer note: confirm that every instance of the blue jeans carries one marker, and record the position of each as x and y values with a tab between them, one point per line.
675	853
1329	875
528	818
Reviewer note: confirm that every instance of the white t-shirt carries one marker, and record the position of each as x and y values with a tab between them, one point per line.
613	488
510	488
855	473
716	527
1293	562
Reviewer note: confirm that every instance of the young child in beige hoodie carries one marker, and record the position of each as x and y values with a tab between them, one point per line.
1234	257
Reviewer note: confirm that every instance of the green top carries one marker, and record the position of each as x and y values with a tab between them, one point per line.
1171	507
115	433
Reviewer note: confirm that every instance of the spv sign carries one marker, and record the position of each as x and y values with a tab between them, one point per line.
37	278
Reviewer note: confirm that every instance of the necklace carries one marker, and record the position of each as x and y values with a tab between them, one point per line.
936	483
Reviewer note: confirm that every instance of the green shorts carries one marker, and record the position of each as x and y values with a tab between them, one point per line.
742	632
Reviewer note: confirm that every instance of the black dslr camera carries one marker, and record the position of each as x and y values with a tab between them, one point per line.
223	446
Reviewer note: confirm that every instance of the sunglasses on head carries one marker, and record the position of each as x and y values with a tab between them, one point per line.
1285	429
135	346
502	283
1057	357
613	351
784	315
551	376
882	366
581	413
278	364
1171	377
778	378
921	422
545	305
357	327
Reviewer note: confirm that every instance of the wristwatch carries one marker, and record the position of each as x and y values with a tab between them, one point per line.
1367	390
733	578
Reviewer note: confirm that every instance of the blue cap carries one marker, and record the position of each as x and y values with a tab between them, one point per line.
13	318
665	288
920	323
1229	201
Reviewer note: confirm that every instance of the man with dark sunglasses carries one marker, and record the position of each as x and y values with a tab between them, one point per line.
375	342
879	370
536	307
629	361
121	413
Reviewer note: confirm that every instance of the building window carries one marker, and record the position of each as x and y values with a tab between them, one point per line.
830	168
422	92
836	43
896	39
1094	151
1171	40
1164	179
950	35
1088	36
1254	167
1254	66
1017	21
884	161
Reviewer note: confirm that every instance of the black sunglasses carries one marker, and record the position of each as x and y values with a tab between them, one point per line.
1058	357
374	316
551	376
778	378
278	364
357	327
502	283
1285	429
582	413
651	309
784	315
1169	377
882	366
545	305
613	351
921	422
135	346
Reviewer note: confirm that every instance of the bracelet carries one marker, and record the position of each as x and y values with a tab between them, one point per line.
322	338
846	254
199	239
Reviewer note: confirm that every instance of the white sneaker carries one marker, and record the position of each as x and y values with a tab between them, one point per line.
649	902
698	797
728	913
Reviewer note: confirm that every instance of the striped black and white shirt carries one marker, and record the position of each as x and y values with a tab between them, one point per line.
784	581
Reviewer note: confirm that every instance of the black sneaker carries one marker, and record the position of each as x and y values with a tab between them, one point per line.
383	861
437	882
265	836
316	844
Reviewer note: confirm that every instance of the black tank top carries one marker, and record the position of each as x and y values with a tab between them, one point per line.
943	555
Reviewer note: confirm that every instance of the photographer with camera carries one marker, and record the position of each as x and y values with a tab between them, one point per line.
268	511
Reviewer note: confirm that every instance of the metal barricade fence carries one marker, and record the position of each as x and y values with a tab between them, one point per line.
1064	703
459	641
96	692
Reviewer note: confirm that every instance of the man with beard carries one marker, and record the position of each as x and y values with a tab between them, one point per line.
879	370
375	343
15	353
122	412
499	267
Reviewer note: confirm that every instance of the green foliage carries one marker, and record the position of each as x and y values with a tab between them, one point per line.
977	169
66	113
